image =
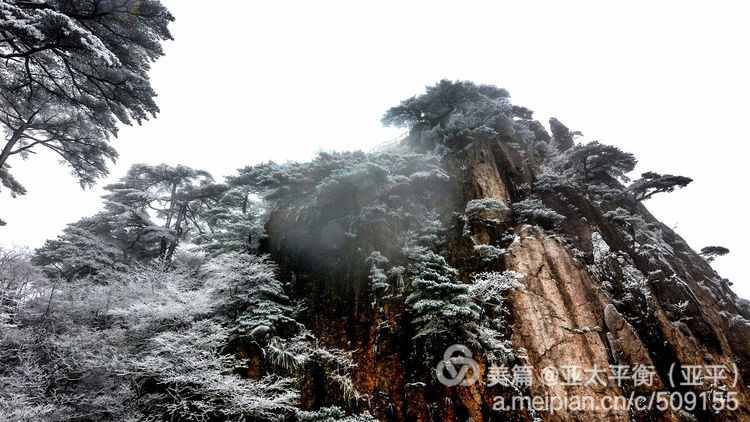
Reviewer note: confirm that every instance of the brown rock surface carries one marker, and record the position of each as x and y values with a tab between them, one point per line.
558	320
564	317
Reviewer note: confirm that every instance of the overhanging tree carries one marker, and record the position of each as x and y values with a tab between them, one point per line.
710	253
69	71
652	183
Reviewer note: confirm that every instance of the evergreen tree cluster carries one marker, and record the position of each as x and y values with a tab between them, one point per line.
154	344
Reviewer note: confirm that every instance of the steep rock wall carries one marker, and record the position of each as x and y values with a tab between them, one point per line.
563	317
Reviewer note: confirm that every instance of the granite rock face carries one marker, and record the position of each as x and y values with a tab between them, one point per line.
596	293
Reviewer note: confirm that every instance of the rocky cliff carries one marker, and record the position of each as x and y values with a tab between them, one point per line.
601	284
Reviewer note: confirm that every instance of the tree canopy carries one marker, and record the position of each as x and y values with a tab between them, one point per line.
439	101
175	194
652	183
451	110
146	214
713	252
70	71
594	160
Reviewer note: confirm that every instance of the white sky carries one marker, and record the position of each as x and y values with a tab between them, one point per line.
249	81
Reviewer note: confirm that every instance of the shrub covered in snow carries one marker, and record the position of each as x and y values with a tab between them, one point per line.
332	414
490	290
480	208
489	253
250	293
155	345
533	211
492	286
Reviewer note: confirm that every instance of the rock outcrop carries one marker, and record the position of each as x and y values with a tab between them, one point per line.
608	287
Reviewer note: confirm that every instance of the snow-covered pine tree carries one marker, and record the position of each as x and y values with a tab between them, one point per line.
69	72
441	310
234	222
146	214
595	160
176	194
251	295
533	211
79	252
451	114
652	183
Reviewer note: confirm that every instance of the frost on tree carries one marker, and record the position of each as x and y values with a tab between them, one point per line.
145	216
451	114
490	290
70	70
652	183
178	195
160	345
441	308
78	253
533	211
595	160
